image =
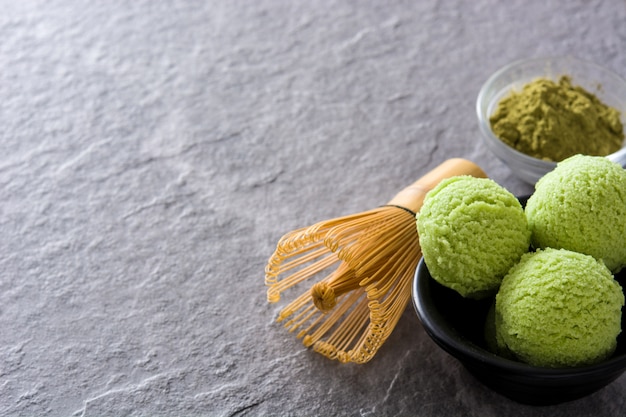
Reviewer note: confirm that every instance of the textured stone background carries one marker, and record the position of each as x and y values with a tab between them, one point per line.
152	154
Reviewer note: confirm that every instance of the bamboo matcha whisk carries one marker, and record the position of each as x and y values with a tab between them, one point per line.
361	266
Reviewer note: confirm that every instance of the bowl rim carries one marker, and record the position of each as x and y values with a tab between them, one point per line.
483	118
465	350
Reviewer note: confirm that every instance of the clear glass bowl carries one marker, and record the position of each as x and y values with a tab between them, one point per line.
606	85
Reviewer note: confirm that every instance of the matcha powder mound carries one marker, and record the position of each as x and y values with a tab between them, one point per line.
553	121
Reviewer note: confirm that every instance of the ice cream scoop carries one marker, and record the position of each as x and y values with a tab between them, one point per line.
471	231
581	206
558	308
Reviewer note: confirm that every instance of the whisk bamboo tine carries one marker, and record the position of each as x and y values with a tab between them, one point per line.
306	272
401	260
330	319
370	257
343	336
302	300
306	255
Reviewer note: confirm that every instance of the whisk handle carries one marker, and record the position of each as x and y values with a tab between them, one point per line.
412	197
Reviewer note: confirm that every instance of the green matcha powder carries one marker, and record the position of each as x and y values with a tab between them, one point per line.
553	121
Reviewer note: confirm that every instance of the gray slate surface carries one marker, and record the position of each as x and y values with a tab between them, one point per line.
153	153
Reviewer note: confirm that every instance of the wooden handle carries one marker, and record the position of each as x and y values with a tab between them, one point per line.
412	197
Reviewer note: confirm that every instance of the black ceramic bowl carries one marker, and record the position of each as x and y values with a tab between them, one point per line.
457	324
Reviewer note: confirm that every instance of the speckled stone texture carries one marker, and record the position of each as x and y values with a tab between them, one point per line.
152	153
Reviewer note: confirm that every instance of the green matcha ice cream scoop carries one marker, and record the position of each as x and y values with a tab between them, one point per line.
471	231
581	206
558	308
